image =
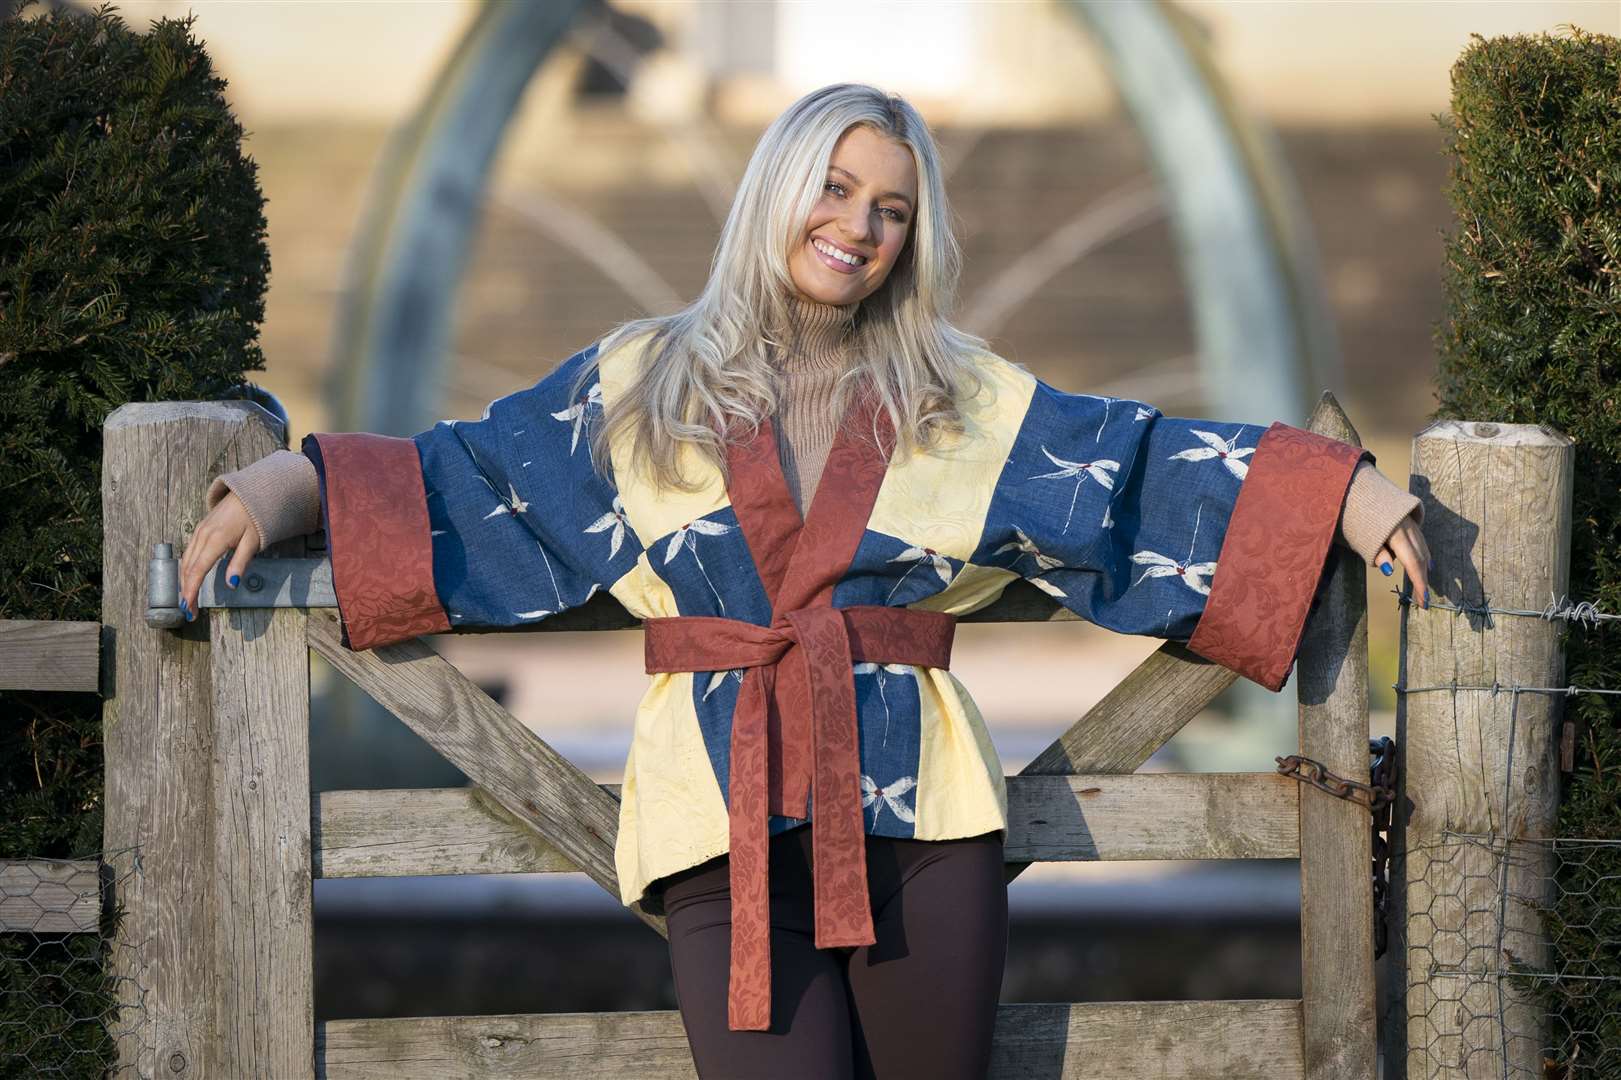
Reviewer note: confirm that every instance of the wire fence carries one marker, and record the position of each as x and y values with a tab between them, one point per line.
1505	942
64	994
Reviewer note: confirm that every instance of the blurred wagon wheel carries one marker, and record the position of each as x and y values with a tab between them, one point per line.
1266	344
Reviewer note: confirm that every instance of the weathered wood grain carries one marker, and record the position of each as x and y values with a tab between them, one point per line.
1336	839
1166	1040
45	654
49	896
432	831
514	766
264	997
1479	770
159	735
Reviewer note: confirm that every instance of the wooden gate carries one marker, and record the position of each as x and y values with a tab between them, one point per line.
208	782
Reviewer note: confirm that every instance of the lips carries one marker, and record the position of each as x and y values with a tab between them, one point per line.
829	261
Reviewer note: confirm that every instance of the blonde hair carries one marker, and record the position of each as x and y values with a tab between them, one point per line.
708	366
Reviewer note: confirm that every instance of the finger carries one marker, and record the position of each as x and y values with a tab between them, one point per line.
1421	548
1385	560
188	576
1417	571
246	549
187	561
202	553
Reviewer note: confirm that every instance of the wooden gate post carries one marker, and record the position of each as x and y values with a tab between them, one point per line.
1338	1025
1478	768
207	796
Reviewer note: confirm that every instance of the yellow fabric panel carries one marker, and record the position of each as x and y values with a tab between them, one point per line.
672	814
971	588
654	511
938	498
961	790
643	593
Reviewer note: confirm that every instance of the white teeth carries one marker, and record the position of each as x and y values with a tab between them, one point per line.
853	260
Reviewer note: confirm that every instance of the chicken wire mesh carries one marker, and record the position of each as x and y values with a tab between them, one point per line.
61	993
1504	941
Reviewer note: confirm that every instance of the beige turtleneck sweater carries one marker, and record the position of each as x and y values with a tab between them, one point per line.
281	492
814	356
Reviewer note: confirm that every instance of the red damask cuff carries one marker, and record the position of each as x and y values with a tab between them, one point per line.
1275	552
377	536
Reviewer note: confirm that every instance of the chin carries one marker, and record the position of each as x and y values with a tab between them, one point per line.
824	294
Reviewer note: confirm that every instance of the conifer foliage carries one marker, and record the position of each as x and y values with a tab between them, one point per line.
133	267
1532	335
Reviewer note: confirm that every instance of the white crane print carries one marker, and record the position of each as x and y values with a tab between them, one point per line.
879	797
512	505
869	667
684	538
575	415
1191	573
614	519
1226	451
1044	562
918	556
719	677
1101	470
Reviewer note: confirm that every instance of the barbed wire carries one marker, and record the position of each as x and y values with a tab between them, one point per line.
1559	607
1497	687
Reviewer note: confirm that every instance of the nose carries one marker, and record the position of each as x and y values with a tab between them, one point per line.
856	223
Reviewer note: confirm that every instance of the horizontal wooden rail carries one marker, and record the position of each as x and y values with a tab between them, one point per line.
46	654
306	582
50	896
436	831
1168	1040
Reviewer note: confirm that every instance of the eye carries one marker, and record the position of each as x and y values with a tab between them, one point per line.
894	215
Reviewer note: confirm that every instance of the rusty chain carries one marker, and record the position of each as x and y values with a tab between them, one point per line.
1377	796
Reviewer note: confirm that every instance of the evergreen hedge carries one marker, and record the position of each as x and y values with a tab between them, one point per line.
1533	335
133	267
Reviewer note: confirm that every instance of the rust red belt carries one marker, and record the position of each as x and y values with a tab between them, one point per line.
795	726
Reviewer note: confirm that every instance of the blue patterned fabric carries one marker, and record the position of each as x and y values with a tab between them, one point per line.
1117	511
523	527
1112	508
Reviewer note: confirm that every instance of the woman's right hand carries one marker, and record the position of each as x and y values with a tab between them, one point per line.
227	527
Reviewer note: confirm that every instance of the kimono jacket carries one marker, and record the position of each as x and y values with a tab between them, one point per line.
797	664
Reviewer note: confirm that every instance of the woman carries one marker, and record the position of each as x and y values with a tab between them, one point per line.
807	654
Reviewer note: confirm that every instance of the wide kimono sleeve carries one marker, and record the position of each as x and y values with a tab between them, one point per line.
495	522
1211	533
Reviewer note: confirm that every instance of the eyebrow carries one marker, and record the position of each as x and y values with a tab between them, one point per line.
883	195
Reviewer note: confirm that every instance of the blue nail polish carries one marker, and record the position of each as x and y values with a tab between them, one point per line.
1385	566
234	579
1426	597
183	610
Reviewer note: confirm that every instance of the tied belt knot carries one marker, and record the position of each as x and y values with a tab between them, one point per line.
795	738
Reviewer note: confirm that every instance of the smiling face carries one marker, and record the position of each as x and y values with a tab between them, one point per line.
855	233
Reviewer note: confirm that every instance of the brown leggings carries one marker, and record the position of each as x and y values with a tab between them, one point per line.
919	1003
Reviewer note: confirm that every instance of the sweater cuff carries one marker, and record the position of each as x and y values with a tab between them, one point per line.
1373	508
280	492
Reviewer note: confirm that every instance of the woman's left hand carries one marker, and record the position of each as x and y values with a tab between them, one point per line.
1407	544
